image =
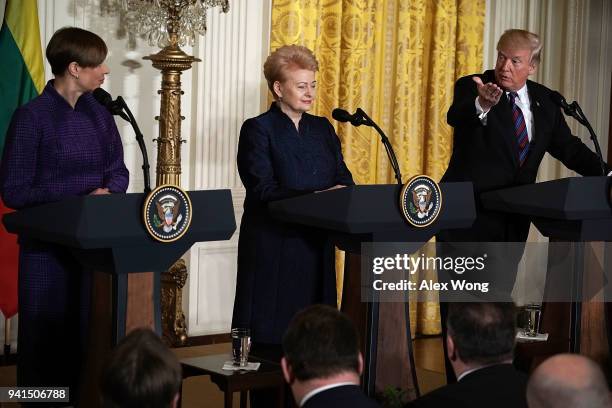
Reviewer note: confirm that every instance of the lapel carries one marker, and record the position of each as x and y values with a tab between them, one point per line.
504	116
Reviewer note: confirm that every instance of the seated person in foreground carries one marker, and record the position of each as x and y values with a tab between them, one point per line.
568	380
480	341
322	362
141	373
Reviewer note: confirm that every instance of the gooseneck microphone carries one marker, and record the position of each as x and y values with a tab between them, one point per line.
574	110
120	108
361	118
106	100
343	116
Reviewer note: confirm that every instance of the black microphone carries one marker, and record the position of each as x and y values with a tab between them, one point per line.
106	100
119	107
341	115
574	110
361	118
560	101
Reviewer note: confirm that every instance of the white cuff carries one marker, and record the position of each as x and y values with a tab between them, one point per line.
482	114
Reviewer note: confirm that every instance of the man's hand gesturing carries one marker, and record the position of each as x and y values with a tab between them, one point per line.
488	94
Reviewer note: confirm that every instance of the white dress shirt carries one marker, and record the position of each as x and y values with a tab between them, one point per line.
522	102
321	389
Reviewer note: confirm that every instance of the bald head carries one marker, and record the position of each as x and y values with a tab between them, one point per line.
568	380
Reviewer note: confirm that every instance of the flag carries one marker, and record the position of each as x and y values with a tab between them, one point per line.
22	78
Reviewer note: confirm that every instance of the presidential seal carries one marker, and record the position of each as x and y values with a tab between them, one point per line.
167	213
421	201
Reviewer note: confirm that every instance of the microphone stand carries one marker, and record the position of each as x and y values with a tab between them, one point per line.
575	111
385	141
140	140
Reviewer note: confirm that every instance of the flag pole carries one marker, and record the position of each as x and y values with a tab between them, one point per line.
7	338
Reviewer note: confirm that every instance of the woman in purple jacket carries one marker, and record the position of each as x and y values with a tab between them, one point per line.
61	144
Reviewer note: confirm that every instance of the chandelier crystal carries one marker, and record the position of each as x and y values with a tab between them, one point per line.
169	22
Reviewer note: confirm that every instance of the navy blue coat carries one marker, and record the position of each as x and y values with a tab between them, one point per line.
283	268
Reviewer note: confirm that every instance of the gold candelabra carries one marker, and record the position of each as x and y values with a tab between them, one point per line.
170	24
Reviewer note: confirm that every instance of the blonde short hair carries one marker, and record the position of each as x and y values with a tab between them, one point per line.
286	58
522	39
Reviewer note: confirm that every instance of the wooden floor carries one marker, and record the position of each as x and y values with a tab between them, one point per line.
200	392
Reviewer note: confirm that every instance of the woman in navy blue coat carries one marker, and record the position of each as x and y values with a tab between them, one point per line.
282	153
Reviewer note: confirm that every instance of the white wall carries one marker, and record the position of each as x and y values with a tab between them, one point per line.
228	88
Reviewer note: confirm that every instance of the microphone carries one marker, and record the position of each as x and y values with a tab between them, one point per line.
361	118
105	99
119	107
341	115
560	101
574	110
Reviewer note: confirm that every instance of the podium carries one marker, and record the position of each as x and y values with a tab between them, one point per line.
574	210
370	213
106	233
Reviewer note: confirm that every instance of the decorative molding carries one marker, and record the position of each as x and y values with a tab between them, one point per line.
228	88
229	91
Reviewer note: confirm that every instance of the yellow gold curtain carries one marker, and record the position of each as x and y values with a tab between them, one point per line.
397	60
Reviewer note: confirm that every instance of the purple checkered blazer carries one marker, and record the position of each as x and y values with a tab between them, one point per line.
53	151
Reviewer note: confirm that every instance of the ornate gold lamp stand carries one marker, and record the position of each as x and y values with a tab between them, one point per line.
184	20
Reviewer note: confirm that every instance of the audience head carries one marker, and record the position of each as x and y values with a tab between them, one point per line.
481	333
568	380
320	343
141	372
518	56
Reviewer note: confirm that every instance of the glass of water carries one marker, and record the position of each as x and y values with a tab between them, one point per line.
533	313
241	345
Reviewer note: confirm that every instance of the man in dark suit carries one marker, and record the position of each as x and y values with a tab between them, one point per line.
480	341
322	362
503	124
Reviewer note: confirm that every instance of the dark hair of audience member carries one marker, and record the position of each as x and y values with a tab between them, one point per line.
321	342
482	332
141	372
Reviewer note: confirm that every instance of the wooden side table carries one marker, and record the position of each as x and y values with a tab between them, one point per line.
269	375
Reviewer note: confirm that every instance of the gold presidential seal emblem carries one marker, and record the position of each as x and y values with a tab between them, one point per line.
421	201
167	213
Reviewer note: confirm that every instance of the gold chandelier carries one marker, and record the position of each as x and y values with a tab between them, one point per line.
169	22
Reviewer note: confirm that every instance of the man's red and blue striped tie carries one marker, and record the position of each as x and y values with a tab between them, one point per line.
520	128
